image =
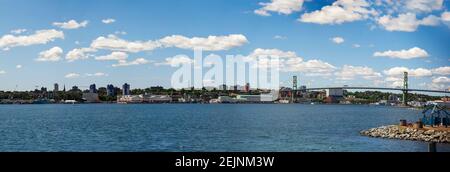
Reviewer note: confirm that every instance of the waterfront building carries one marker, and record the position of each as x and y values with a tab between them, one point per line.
126	89
91	97
256	98
92	88
334	95
56	87
226	99
247	87
157	98
110	90
130	99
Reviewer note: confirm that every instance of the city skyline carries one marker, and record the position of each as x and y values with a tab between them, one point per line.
326	43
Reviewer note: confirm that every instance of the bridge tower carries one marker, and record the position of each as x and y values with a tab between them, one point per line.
405	89
294	87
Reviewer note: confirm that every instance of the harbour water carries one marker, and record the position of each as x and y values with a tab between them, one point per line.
201	127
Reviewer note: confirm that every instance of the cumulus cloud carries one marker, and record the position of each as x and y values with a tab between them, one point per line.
279	6
398	72
39	37
265	53
72	75
406	22
289	61
53	54
424	5
18	66
138	61
440	83
339	12
114	43
445	16
411	53
338	40
108	21
176	61
311	67
113	56
71	24
79	54
442	70
349	72
210	43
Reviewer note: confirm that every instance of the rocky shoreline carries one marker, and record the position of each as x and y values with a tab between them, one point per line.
408	133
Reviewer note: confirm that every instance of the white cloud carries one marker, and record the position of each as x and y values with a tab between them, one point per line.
398	72
406	22
113	56
108	21
138	61
114	43
441	79
211	43
442	70
424	5
79	53
440	83
356	45
412	53
98	74
2	72
311	67
338	40
18	31
39	37
445	16
176	61
339	12
71	24
72	75
18	66
53	54
290	62
349	72
265	53
280	6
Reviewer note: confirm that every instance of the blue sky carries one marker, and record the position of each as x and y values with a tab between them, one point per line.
345	42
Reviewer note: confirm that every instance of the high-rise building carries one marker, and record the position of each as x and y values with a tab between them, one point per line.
110	90
92	88
126	89
56	88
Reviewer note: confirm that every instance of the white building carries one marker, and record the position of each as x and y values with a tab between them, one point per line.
130	99
335	92
157	98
